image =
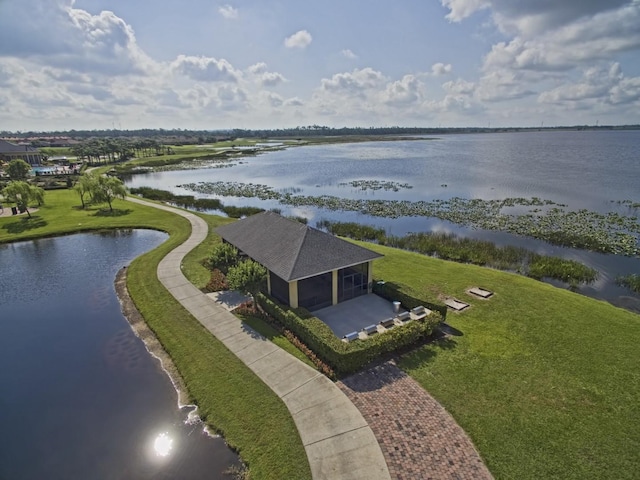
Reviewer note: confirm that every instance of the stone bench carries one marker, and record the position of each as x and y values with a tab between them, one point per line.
388	323
419	312
350	337
371	329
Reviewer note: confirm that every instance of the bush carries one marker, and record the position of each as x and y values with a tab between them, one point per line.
218	282
223	257
247	276
342	357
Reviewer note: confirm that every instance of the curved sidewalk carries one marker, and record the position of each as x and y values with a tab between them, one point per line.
337	439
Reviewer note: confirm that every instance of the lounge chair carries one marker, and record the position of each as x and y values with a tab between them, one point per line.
404	317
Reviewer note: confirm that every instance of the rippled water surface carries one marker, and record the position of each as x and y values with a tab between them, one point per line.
581	169
80	395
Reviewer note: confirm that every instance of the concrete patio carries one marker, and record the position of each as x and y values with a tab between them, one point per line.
353	315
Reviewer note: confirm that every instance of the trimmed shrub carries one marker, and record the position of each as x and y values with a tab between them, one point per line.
342	357
247	276
223	257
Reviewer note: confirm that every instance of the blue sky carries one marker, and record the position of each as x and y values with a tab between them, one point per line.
88	64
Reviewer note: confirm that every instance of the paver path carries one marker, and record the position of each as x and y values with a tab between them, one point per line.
419	439
339	443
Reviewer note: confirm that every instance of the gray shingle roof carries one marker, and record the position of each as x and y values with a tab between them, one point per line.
291	250
8	147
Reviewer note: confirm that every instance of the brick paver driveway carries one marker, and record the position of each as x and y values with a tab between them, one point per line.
419	439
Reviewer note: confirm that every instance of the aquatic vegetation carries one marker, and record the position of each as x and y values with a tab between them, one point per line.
632	282
376	185
543	219
353	230
448	246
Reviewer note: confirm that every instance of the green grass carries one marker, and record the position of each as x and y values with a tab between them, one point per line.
192	266
62	215
230	398
545	381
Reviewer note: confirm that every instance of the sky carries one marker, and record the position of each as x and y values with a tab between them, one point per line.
204	64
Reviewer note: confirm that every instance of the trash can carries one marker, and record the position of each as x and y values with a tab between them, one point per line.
14	210
396	307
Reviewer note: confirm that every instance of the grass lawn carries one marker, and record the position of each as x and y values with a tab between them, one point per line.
230	397
546	382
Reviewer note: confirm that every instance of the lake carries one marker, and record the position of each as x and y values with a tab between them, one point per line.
81	395
580	169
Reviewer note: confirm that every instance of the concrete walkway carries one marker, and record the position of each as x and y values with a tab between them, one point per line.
337	439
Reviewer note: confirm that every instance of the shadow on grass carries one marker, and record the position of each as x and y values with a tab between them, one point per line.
25	224
449	330
116	212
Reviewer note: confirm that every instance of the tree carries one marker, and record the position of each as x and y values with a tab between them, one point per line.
247	276
85	186
21	193
107	189
18	169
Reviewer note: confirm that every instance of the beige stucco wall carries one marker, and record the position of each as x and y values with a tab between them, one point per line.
293	294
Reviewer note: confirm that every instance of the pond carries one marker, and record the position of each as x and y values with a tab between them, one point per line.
81	395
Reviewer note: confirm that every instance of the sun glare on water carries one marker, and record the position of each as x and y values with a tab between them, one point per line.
163	445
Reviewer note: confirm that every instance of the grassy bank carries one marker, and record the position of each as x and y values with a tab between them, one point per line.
230	397
545	381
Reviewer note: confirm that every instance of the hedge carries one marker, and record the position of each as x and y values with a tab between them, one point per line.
343	357
394	292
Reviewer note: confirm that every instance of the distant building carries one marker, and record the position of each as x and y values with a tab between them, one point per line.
10	151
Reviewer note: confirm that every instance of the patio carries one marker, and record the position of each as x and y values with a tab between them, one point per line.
353	315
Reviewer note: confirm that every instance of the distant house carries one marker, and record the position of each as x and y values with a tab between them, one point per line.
10	151
307	267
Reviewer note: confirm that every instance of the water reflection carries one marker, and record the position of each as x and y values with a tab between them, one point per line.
163	444
81	396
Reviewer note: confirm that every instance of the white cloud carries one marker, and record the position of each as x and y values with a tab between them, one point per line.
598	84
461	9
205	69
293	102
228	12
438	69
271	79
258	68
347	53
532	17
262	76
301	39
403	92
54	33
459	86
354	82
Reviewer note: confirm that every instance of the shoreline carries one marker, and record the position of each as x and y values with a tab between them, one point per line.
155	348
